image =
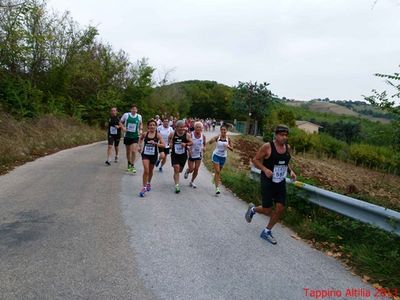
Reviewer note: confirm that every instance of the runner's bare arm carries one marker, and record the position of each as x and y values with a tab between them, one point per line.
140	144
263	153
230	147
161	143
214	139
189	140
170	139
292	174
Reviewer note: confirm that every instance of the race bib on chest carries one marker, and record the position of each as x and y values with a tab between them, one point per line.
149	150
131	127
113	130
279	174
196	151
179	149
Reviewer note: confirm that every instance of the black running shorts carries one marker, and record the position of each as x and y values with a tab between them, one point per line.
113	140
165	150
129	141
272	192
179	159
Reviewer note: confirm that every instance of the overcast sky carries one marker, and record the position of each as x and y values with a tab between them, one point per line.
304	49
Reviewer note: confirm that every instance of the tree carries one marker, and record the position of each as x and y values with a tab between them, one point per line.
252	101
388	102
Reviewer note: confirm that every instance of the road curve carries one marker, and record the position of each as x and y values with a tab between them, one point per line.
72	228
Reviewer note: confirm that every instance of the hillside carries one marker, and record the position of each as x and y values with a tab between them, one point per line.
355	110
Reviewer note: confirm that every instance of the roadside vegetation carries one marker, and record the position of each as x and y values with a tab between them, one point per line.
367	251
28	139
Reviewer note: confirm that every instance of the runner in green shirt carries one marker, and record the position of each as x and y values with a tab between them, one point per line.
132	125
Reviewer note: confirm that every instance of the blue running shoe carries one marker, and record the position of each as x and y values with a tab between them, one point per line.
142	192
268	237
160	169
157	162
250	213
148	187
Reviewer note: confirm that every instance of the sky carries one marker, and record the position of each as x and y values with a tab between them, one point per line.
304	49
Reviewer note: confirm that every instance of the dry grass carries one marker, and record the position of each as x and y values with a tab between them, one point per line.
25	140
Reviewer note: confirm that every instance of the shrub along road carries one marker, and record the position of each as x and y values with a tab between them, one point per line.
70	227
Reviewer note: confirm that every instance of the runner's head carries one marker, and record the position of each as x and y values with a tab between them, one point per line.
133	109
151	125
198	127
281	134
223	129
165	122
113	111
180	127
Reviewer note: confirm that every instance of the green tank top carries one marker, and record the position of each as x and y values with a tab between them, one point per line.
132	126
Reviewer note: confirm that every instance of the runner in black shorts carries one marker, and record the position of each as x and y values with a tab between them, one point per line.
114	135
178	142
152	141
273	161
165	130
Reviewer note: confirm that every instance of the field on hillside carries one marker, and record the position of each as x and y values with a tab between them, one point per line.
345	178
332	108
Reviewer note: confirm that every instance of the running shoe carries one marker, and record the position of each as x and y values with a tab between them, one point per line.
186	175
177	189
116	159
249	213
107	163
217	191
142	192
268	237
148	187
193	185
160	169
157	162
133	170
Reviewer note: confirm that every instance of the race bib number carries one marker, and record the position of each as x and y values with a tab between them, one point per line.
196	151
179	149
113	130
149	150
131	127
279	174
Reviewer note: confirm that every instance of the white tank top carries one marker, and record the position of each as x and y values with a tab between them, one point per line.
220	148
197	146
165	132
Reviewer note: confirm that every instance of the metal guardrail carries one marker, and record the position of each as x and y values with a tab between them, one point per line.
386	219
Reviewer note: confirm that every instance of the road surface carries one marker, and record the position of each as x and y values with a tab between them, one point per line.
73	228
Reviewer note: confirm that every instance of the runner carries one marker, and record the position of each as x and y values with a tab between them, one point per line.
196	152
178	141
273	160
165	130
149	149
219	155
114	135
214	122
131	123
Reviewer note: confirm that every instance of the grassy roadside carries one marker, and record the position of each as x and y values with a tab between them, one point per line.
363	249
25	140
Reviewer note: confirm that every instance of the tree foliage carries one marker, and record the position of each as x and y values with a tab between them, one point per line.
252	99
49	64
387	101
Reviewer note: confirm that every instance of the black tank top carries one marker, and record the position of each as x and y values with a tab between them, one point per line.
150	149
176	144
276	161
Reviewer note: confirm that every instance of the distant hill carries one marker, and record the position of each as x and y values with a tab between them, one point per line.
345	108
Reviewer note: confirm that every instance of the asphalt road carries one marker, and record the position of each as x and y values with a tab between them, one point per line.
72	228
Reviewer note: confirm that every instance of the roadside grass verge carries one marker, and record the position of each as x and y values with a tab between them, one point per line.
364	250
24	140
